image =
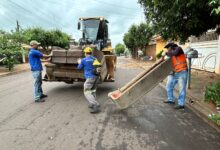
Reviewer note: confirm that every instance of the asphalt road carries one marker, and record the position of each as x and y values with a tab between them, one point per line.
63	122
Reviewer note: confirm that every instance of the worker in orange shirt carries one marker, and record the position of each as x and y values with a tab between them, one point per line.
179	75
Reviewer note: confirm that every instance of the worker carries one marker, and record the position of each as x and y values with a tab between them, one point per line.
36	67
88	65
179	75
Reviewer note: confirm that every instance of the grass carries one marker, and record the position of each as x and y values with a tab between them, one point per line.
215	118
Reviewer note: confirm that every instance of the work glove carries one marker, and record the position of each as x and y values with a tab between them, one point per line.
99	69
51	54
79	61
163	54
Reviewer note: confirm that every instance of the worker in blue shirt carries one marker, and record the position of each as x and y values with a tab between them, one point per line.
36	68
88	65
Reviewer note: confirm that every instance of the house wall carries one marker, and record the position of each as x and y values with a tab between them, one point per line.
209	55
151	50
217	67
160	43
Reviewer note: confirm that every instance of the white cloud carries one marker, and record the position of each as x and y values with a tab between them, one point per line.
64	14
2	12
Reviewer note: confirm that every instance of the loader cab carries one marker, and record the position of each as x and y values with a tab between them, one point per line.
94	31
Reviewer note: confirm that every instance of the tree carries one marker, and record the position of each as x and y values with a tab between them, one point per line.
130	40
143	35
179	19
216	6
119	48
60	38
138	36
10	49
47	38
11	42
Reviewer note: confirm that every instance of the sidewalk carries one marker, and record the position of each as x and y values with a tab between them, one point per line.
195	95
199	81
17	69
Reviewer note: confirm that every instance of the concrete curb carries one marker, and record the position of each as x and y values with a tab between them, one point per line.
200	110
14	72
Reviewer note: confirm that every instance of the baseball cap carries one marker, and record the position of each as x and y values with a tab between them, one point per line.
34	42
171	45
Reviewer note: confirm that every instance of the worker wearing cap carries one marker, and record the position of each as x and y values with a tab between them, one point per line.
88	65
36	67
179	75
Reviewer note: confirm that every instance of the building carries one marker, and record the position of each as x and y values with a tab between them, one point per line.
208	46
155	46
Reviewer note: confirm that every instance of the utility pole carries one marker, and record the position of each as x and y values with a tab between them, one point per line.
18	31
18	26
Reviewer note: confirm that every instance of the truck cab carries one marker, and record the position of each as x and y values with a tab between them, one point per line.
94	31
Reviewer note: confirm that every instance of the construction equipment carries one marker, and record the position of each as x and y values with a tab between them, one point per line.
63	64
142	84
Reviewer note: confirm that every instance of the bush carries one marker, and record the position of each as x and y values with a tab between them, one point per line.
159	55
216	118
10	50
10	57
212	93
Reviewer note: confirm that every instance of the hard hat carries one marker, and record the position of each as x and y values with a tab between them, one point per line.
96	63
88	50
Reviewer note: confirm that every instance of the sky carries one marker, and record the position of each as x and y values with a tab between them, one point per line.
64	15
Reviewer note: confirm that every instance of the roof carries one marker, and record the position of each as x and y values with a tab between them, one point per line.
93	18
157	37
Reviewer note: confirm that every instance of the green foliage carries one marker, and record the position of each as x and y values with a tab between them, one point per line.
119	48
216	118
47	38
212	93
138	36
10	49
130	38
216	6
159	55
179	19
10	42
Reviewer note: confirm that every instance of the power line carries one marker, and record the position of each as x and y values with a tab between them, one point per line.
26	10
98	10
50	22
51	15
99	1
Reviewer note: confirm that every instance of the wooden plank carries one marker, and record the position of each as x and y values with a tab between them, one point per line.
59	59
75	53
72	60
58	53
141	85
58	56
